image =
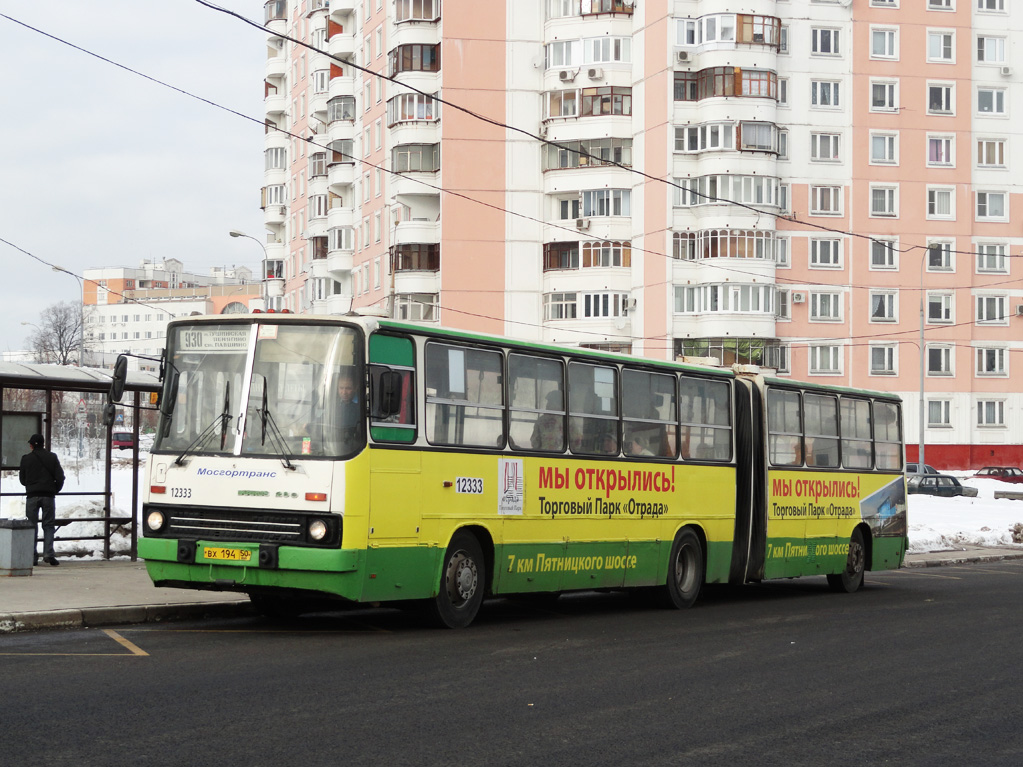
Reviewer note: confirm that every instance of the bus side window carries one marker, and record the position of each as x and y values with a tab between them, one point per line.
464	396
536	390
855	421
593	409
648	411
784	428
887	436
706	418
821	424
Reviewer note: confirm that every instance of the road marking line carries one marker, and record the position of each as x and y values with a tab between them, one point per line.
135	649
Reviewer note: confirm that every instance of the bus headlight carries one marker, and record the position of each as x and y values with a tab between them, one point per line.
317	530
155	520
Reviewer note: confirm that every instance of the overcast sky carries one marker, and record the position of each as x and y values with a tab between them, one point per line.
101	167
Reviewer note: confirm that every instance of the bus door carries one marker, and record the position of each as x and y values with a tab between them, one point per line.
786	551
395	471
750	534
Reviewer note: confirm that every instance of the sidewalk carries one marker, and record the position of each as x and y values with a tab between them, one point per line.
78	594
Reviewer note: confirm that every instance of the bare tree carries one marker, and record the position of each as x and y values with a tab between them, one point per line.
57	339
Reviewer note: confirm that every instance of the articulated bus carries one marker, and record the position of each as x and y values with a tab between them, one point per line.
362	460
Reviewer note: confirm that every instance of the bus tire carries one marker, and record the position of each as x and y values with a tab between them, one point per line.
851	578
685	570
462	582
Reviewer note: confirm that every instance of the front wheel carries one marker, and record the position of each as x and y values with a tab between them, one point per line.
462	582
851	578
685	571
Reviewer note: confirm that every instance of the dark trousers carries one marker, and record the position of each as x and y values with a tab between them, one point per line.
33	506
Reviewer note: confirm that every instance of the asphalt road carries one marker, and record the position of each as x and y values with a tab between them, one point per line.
922	667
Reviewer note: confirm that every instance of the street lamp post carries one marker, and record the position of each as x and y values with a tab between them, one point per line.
920	459
263	266
81	313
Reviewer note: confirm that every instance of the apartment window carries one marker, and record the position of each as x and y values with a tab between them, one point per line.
990	413
991	153
882	43
826	200
992	6
991	310
824	42
882	254
991	101
940	46
940	5
783	144
415	157
758	136
415	257
607	202
990	50
317	206
940	151
606	100
607	50
560	255
940	203
884	4
606	254
783	305
883	96
939	308
825	253
317	164
882	359
939	257
559	306
991	257
417	307
783	91
562	103
991	362
991	206
939	360
414	57
602	305
882	306
599	151
824	360
321	80
883	148
407	107
276	158
825	94
939	99
824	147
568	208
783	39
939	412
825	307
561	53
416	10
884	201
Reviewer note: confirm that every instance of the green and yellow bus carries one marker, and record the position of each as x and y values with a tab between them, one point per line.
365	460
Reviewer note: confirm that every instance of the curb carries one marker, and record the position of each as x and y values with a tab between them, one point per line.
965	559
106	616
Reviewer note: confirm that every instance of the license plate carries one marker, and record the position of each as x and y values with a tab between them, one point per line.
231	555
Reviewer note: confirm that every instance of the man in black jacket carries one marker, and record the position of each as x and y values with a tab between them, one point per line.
43	478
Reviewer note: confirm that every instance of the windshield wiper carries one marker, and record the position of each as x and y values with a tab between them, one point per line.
277	440
223	419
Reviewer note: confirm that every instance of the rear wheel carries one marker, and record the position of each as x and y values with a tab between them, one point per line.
462	582
685	571
851	578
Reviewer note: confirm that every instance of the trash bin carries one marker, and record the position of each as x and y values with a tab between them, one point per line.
17	545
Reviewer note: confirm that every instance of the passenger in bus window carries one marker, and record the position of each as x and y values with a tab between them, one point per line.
548	431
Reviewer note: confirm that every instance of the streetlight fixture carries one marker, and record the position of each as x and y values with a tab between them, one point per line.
920	458
81	313
263	266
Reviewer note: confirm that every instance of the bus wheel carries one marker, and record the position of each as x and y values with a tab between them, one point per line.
851	578
685	570
461	583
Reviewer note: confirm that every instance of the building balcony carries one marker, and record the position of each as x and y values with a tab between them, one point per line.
339	263
340	174
276	66
416	282
318	268
274	288
417	230
340	217
342	8
415	132
341	44
339	303
341	130
275	214
342	85
724	324
414	183
275	105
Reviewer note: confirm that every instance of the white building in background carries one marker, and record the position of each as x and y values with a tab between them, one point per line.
126	310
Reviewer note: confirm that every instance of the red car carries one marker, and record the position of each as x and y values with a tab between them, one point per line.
1003	473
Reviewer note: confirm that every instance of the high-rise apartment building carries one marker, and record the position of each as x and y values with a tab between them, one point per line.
801	185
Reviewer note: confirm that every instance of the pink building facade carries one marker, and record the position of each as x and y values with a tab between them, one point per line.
814	187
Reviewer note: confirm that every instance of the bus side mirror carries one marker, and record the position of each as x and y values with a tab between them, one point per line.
387	394
118	380
170	393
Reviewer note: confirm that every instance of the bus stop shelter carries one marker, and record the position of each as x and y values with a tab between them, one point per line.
17	424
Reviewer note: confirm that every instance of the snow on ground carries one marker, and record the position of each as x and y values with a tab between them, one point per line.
935	524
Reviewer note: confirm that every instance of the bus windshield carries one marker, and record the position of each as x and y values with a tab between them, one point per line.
305	393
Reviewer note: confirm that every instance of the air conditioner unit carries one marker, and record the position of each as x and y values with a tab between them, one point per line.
1006	71
542	133
1019	310
683	57
799	298
582	223
758	37
566	75
594	73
